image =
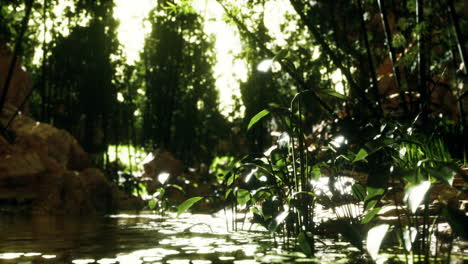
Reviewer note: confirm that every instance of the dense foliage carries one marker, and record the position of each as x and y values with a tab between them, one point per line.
395	116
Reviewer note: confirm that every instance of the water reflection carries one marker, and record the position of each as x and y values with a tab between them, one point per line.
147	238
129	238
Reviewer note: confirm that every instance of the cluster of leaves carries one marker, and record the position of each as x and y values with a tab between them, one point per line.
407	150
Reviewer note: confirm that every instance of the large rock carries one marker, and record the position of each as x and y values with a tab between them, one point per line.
45	171
21	81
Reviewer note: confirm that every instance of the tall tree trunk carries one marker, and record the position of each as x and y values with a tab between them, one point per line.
45	102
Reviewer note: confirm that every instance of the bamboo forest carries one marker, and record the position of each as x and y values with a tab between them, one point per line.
233	131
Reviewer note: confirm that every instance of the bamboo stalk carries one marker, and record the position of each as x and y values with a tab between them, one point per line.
369	57
388	38
458	34
422	76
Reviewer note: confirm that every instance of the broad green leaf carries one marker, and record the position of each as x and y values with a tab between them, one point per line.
445	174
375	237
257	118
350	232
183	207
359	191
409	235
152	204
414	195
373	192
305	244
231	179
370	215
370	204
277	221
361	155
243	196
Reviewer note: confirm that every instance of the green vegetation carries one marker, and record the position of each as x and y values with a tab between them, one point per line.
357	106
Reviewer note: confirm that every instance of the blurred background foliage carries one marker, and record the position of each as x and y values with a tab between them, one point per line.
349	68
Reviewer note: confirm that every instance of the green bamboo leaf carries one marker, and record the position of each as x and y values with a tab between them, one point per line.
373	192
183	207
257	118
359	191
362	154
370	215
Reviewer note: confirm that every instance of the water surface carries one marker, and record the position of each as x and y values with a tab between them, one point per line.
135	238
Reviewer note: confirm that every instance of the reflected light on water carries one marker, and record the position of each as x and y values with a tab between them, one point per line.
83	261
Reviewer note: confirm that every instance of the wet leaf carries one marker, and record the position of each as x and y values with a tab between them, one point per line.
375	237
415	194
409	235
257	118
277	221
183	207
